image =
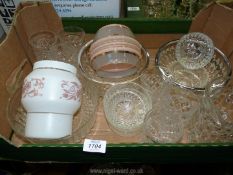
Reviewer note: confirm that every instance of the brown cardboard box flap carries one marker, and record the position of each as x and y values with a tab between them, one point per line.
11	54
14	50
35	18
216	21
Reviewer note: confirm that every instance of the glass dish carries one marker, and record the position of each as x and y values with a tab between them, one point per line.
83	120
196	80
125	107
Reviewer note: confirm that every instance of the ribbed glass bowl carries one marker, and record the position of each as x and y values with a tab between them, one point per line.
172	71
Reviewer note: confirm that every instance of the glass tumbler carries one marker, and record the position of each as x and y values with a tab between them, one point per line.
41	43
70	40
172	113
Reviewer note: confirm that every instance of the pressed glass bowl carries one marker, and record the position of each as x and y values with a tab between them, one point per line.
163	128
125	107
194	50
83	120
121	76
197	79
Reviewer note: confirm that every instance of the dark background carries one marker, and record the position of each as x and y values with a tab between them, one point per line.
12	168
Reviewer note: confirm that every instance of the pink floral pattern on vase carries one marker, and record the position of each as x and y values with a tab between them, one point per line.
71	90
33	87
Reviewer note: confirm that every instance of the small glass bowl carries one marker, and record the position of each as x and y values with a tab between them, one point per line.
118	73
163	128
197	79
194	50
125	107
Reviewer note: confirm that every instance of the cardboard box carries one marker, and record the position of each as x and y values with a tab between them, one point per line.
16	62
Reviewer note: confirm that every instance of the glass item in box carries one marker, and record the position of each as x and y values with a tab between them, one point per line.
194	50
73	36
89	72
163	128
172	112
62	46
215	117
196	80
114	52
41	43
113	30
50	95
83	120
125	107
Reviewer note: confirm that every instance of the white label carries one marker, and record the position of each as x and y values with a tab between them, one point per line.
94	146
133	9
87	8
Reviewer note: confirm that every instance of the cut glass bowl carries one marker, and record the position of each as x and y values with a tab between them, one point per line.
125	107
194	50
197	79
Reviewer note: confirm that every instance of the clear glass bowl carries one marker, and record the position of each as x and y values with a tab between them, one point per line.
163	128
194	50
196	80
83	120
125	107
90	73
